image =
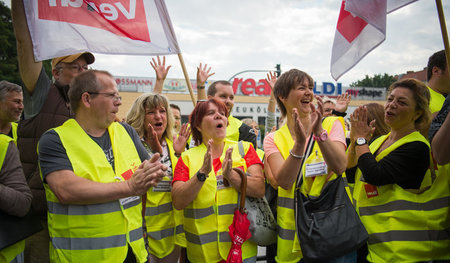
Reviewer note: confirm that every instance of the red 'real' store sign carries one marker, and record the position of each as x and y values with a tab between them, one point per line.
251	87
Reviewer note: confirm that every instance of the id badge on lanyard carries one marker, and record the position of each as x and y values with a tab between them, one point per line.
316	167
129	199
221	181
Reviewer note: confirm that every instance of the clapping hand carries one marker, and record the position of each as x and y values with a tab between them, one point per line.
179	142
360	128
342	102
151	138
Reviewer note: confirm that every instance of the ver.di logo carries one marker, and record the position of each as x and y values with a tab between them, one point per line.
124	18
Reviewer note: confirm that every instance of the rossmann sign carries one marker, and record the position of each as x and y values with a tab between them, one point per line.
253	87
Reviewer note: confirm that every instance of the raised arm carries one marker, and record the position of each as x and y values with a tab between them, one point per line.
29	69
202	76
271	120
342	102
161	73
440	145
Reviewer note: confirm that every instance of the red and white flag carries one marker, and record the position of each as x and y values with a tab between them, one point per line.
130	27
361	27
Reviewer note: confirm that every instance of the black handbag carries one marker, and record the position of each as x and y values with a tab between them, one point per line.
328	226
14	229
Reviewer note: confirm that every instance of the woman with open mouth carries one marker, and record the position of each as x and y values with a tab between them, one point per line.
206	185
403	204
285	152
152	118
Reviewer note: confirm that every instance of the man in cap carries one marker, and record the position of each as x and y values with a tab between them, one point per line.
11	107
46	106
94	171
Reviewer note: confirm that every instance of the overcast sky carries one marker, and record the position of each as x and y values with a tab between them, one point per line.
236	35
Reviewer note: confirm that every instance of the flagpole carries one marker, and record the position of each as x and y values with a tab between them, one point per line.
444	31
186	77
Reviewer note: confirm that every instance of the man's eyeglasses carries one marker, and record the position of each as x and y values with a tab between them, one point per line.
75	67
115	97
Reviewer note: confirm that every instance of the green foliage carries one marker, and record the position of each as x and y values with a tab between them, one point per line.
9	66
9	69
378	80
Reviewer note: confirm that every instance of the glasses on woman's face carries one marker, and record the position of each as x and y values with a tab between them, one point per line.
114	96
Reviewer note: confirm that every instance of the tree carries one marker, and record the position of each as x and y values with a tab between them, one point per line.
378	80
9	69
9	66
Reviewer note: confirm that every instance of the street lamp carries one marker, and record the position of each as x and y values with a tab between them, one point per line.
277	67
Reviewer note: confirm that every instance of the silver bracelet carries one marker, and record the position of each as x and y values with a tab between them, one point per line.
296	156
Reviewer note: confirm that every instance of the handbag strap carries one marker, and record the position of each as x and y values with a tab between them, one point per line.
308	151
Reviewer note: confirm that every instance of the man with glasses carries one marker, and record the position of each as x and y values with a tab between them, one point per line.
94	171
46	106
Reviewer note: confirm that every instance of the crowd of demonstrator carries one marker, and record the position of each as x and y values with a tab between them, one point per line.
153	189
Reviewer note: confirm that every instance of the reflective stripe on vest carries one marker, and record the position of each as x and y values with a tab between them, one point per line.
94	209
95	243
288	249
78	232
404	226
207	218
154	211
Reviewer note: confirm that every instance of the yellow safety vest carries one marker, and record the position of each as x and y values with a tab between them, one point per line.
288	249
207	218
436	101
404	226
14	131
164	223
96	232
233	128
10	253
260	154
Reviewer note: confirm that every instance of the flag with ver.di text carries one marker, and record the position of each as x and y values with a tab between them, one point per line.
361	27
129	27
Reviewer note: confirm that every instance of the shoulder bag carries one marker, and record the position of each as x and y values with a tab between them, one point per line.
263	226
328	226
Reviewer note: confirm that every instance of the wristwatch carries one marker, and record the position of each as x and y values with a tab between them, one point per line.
322	137
338	113
361	141
201	176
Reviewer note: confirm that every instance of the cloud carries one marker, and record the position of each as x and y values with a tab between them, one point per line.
233	36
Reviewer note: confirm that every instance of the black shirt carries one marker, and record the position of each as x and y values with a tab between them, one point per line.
405	166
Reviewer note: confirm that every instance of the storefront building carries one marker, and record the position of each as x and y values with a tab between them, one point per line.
251	95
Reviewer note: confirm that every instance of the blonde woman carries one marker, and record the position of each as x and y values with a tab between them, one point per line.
152	118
